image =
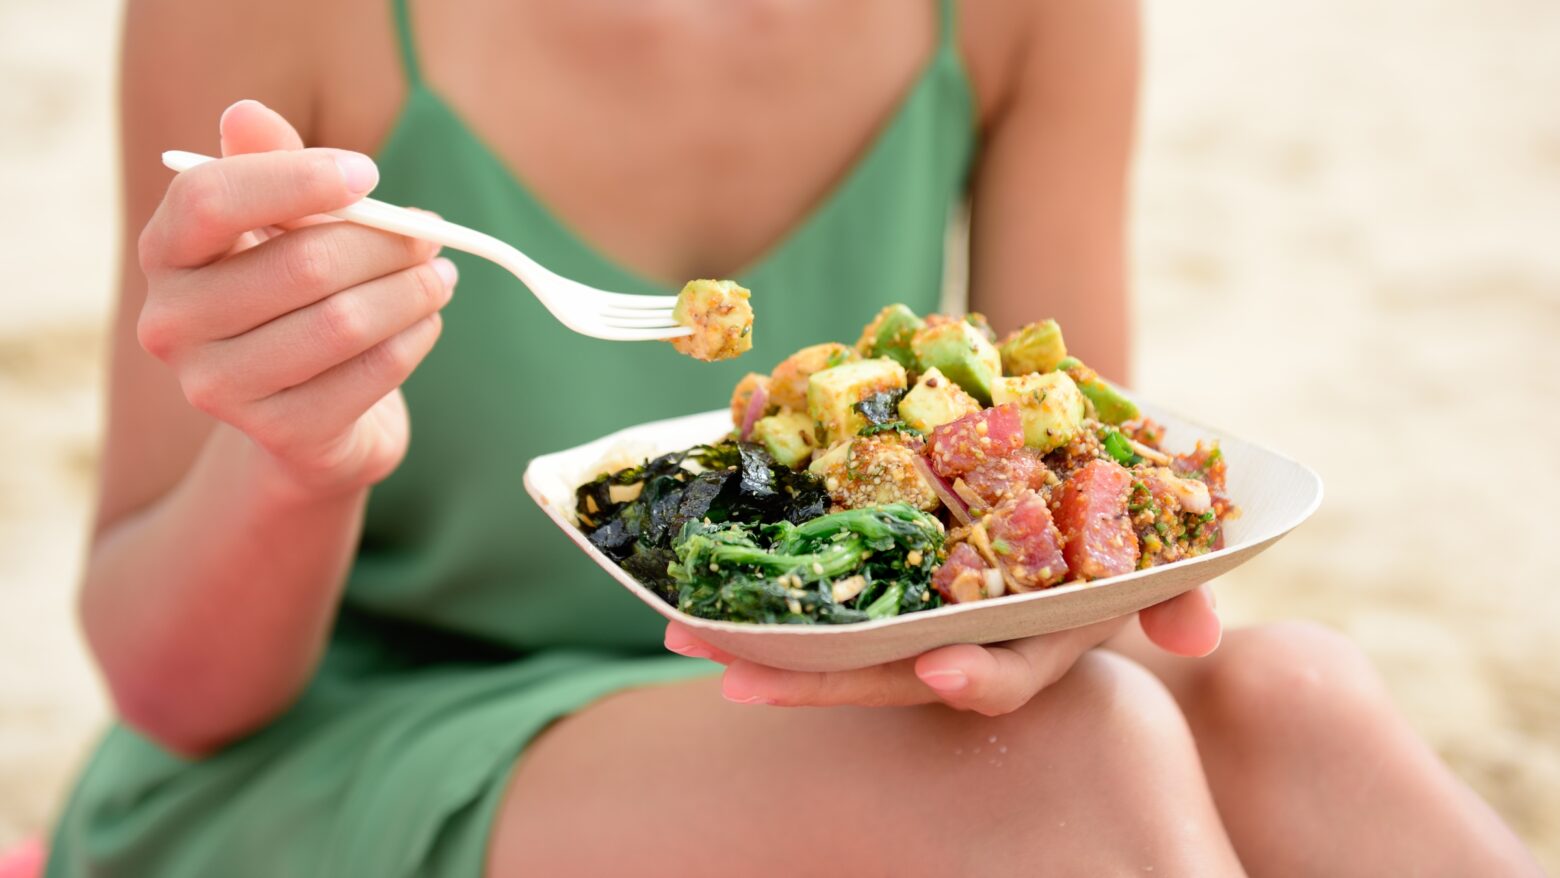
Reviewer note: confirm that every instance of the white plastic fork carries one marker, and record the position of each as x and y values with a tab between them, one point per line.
584	309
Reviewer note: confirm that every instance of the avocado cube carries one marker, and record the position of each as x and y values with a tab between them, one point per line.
889	334
789	436
1110	406
721	319
1037	347
1050	403
934	401
788	382
833	393
960	351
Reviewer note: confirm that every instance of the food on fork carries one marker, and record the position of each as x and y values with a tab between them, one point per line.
721	319
928	464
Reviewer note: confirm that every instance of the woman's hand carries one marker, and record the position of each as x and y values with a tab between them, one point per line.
293	328
991	680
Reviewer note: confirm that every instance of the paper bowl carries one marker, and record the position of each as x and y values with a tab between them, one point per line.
1273	492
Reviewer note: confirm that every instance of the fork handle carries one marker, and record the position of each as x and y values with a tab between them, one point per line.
390	218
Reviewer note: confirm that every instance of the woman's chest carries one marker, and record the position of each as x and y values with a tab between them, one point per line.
679	138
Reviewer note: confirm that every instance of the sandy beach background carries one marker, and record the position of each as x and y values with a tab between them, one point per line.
1355	208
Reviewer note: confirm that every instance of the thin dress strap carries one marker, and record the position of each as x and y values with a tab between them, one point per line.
947	22
408	43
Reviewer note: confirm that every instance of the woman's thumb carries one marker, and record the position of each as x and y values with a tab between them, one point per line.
250	126
1184	625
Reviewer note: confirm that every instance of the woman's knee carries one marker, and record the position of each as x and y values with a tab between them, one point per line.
1134	793
1276	680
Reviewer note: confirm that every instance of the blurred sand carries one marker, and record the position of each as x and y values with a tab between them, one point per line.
1356	203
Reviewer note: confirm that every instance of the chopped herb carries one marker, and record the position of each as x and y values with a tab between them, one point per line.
1117	446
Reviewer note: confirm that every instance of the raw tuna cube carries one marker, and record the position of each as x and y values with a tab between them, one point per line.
961	578
1027	543
1091	510
960	446
1008	477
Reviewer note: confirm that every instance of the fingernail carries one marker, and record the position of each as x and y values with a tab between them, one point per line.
358	171
1213	597
449	274
946	681
691	651
222	122
751	699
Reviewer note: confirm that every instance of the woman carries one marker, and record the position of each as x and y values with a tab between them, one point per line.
319	679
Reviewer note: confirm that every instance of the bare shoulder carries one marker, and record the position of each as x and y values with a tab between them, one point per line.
188	59
1022	46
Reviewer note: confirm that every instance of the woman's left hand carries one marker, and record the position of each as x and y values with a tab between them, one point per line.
990	680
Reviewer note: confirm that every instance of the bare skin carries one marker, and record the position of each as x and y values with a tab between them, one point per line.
257	354
1094	776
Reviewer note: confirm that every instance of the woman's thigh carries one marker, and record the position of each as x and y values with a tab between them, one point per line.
1097	775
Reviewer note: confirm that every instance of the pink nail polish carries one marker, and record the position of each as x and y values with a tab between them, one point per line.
946	681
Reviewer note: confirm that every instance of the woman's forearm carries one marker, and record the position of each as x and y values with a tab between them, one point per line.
209	609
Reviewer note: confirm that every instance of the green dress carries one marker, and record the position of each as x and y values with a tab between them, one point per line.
469	621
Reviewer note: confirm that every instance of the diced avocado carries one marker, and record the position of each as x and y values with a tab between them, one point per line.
888	335
1037	347
1051	404
788	382
979	321
934	401
721	319
832	393
959	350
1110	406
790	437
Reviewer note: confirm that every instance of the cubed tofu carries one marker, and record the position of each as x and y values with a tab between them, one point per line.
961	351
789	436
788	382
872	471
1051	404
833	393
935	400
721	319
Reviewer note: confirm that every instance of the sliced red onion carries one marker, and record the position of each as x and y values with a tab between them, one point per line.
757	403
944	493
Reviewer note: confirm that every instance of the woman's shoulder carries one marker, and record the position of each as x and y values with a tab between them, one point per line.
1004	41
190	59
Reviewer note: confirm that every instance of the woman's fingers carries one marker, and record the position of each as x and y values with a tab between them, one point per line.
250	126
1184	625
303	421
999	679
681	640
296	347
285	273
210	206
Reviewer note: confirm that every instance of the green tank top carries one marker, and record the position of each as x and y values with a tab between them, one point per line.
451	539
470	622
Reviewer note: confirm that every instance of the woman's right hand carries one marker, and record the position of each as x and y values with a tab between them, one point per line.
293	328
